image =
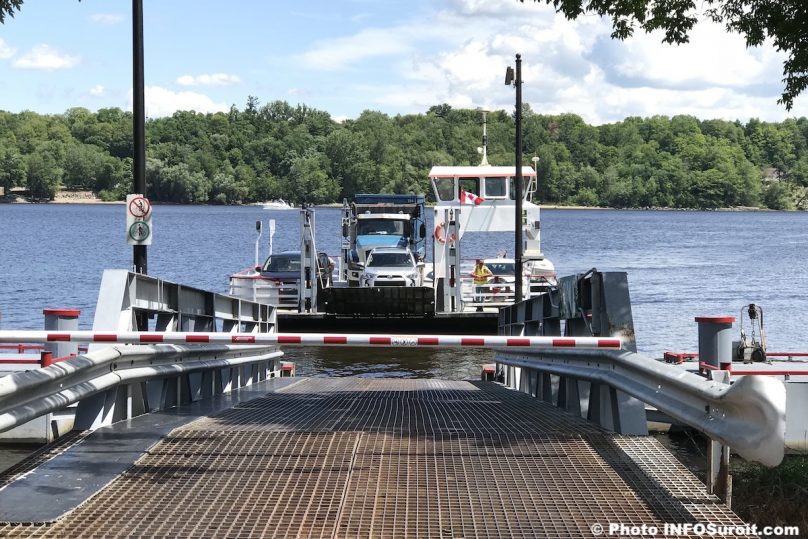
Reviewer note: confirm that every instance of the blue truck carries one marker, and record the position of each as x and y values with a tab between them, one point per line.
380	220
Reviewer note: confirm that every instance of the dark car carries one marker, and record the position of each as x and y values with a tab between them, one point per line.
284	269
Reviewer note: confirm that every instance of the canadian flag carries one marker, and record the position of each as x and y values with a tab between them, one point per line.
470	198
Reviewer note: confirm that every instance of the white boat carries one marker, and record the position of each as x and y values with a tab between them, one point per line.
278	204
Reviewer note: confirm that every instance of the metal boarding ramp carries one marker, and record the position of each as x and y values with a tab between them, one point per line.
380	458
409	458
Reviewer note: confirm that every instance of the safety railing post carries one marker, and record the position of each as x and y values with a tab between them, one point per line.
715	341
719	480
61	320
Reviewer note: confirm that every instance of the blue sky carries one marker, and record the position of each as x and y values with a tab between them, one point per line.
396	56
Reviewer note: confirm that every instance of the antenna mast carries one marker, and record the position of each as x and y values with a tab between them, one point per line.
484	162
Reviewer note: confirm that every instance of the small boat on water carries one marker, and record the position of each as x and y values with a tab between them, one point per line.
278	204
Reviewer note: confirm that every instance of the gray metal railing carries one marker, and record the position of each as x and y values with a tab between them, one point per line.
120	382
114	383
611	388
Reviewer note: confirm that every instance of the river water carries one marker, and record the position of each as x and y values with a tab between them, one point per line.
680	265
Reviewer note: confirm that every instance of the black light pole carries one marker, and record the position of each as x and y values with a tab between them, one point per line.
518	252
138	121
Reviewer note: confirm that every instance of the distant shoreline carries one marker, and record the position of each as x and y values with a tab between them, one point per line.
62	197
88	197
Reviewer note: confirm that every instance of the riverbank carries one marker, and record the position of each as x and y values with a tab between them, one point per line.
62	197
88	197
771	496
80	197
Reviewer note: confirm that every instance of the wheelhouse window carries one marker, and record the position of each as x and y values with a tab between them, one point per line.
470	185
495	187
444	188
526	184
512	192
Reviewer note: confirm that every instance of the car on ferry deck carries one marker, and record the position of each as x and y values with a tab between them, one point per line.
284	269
391	266
538	274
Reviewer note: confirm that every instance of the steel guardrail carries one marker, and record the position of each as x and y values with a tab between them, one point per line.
30	394
748	415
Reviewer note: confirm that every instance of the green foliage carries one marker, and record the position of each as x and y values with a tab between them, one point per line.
300	154
777	196
44	173
7	7
771	496
12	169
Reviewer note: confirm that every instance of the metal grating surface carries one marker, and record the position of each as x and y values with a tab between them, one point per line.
40	456
392	458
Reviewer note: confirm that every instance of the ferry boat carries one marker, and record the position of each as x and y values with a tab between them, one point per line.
471	198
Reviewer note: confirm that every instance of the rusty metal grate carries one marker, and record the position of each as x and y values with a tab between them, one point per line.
392	458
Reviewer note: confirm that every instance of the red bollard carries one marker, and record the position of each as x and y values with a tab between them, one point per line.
715	341
45	359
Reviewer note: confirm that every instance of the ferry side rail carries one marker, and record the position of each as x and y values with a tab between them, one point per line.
612	388
113	383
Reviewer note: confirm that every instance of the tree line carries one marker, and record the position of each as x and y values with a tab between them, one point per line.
301	154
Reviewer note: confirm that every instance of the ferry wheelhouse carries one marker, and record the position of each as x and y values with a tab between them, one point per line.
483	199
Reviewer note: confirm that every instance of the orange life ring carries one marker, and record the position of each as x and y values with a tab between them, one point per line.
439	233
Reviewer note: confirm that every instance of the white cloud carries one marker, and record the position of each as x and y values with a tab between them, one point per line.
6	51
47	58
713	57
164	102
107	18
215	79
97	91
337	54
574	66
491	11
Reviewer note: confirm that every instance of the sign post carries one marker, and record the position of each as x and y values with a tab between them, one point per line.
138	220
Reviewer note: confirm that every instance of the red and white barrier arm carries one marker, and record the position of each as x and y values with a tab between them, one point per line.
311	339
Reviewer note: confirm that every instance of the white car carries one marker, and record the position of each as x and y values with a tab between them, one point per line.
539	275
391	266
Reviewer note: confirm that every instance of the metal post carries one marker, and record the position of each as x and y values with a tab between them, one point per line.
258	229
715	341
715	349
484	161
719	480
518	183
138	122
61	320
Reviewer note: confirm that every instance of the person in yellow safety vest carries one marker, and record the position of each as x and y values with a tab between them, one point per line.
481	275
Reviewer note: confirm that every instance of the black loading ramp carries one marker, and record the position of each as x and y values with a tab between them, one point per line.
355	457
395	301
384	309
